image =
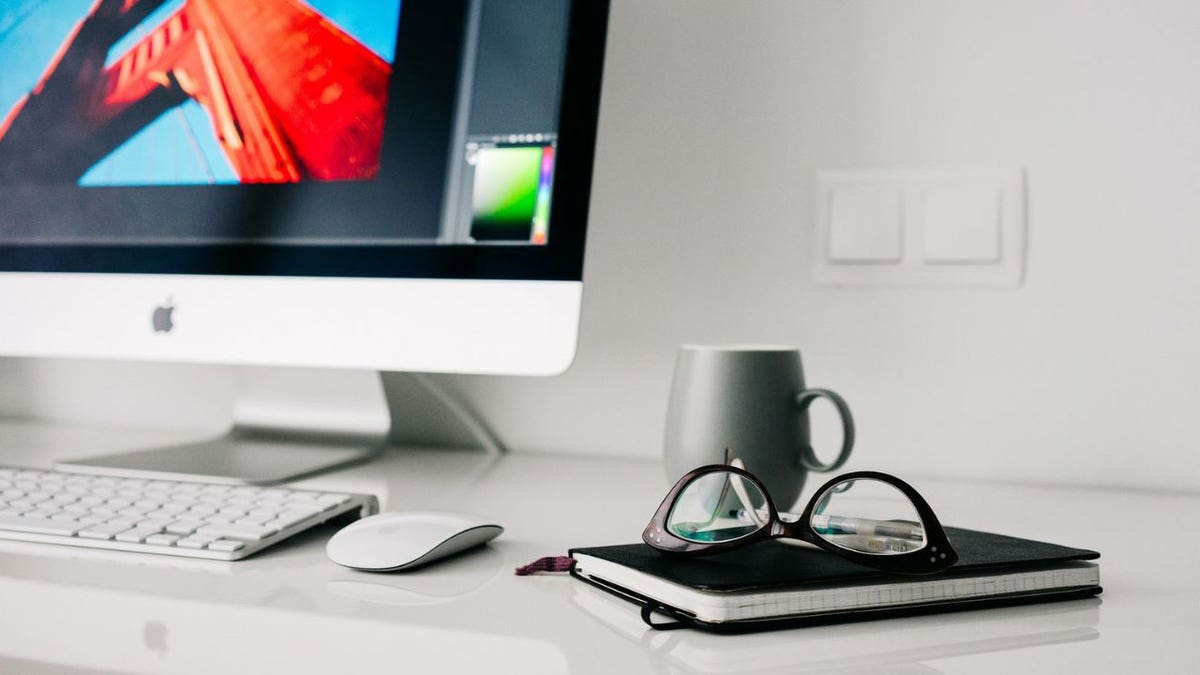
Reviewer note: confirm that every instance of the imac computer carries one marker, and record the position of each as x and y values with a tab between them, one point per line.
288	185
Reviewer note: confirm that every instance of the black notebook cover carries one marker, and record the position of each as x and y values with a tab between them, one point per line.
773	564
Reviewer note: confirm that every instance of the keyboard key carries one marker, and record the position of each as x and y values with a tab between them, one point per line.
137	535
194	542
225	545
34	525
162	539
184	526
282	523
243	532
297	515
261	520
103	530
152	523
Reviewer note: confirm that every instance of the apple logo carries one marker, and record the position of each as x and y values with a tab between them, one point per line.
162	320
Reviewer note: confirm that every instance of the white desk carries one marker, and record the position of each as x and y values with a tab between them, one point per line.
290	609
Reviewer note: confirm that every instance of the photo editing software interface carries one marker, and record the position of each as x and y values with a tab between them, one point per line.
328	122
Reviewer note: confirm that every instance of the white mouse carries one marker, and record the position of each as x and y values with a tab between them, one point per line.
387	542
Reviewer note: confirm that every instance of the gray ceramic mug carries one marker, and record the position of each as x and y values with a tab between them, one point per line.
751	399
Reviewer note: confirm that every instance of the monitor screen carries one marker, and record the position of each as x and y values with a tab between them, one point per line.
373	138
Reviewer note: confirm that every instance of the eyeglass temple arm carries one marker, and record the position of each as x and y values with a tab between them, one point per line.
850	525
760	516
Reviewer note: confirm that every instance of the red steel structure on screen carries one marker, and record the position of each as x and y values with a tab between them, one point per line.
291	96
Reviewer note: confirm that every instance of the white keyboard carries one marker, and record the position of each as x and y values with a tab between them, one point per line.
196	520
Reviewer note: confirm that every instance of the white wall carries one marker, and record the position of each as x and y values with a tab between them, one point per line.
717	115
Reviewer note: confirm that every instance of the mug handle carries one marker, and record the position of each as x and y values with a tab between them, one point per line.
808	458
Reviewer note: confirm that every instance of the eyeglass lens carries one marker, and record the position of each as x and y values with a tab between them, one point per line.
716	507
868	516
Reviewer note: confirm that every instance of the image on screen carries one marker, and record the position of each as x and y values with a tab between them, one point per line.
194	92
299	123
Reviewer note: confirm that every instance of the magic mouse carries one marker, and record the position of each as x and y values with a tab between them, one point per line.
387	542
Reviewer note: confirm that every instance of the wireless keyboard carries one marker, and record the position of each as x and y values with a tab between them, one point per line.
195	520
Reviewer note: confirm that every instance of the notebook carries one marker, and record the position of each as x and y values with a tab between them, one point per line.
774	584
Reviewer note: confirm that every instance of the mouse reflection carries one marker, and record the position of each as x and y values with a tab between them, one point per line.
456	578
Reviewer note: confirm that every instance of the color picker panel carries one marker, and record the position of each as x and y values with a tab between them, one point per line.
505	193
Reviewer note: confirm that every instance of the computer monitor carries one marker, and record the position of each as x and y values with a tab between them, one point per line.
350	184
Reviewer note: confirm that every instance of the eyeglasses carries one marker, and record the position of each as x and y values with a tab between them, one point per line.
867	517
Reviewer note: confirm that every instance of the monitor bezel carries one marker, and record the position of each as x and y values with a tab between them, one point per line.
561	259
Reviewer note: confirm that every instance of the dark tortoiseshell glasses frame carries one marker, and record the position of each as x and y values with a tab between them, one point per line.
934	556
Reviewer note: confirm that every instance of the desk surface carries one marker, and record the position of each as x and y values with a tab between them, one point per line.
289	608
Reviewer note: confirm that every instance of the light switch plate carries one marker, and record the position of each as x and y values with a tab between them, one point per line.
957	228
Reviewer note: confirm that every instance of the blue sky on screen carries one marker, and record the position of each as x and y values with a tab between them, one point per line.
180	147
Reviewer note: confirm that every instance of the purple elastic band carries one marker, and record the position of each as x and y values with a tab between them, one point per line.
554	563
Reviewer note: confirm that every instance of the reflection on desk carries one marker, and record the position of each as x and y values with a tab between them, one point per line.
890	642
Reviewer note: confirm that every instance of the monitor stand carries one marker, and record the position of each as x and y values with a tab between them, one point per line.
288	423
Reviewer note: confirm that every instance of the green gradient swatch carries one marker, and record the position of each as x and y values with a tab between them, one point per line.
505	194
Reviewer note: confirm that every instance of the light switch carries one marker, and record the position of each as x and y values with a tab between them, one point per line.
865	224
961	224
950	228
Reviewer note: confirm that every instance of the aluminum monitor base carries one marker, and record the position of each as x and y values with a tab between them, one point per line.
238	458
288	423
